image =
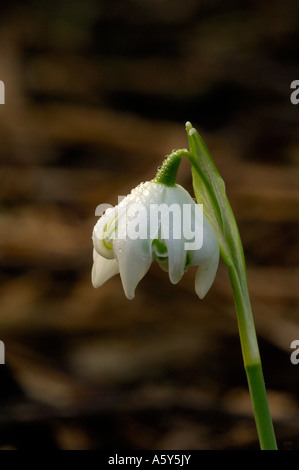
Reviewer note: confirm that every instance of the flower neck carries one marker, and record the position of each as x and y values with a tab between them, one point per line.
167	173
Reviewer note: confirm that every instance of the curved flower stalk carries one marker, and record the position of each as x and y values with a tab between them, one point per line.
151	224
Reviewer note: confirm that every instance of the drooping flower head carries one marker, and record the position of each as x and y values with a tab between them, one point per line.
156	221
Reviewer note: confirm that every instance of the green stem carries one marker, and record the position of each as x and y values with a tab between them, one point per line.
252	363
167	173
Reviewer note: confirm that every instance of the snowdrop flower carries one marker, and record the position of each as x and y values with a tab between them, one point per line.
128	237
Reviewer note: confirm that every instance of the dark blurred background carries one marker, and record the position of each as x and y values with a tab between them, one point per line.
97	93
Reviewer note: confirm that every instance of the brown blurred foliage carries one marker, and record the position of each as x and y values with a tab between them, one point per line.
96	94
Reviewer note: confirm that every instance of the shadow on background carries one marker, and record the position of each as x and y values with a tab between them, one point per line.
97	93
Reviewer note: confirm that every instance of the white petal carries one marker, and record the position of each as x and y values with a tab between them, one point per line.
178	195
210	246
176	259
134	258
173	233
147	193
104	232
205	276
172	237
103	269
134	255
207	258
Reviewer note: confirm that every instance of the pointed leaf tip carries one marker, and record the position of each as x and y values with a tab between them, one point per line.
188	126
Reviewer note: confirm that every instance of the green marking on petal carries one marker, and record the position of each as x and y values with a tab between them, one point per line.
161	248
107	245
109	228
188	260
